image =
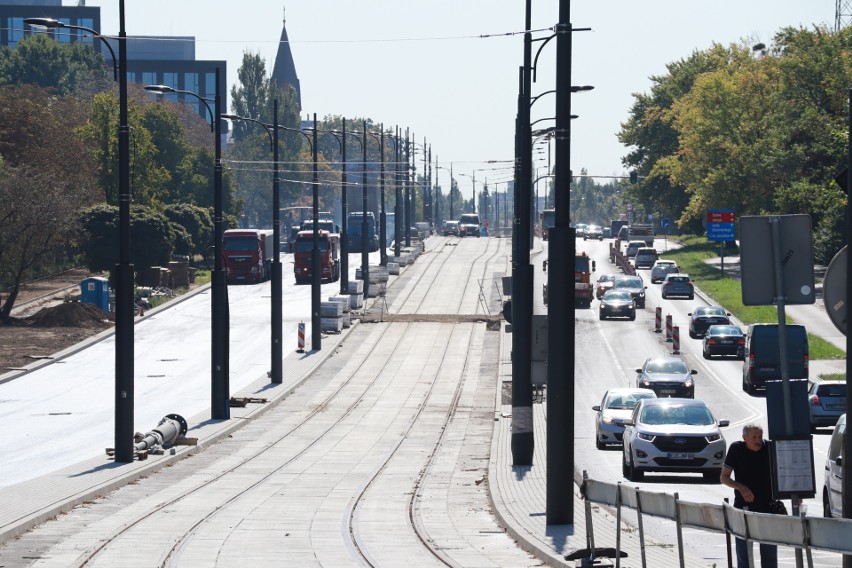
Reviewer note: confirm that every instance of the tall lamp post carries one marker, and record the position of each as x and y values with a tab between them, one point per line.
219	354
124	308
383	251
397	208
344	206
276	372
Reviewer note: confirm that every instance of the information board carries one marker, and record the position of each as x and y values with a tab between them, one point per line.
721	225
792	468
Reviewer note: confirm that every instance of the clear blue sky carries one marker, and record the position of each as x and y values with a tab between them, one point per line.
424	65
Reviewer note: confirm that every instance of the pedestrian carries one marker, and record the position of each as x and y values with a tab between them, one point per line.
749	461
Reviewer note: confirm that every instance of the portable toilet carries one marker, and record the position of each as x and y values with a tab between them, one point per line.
95	291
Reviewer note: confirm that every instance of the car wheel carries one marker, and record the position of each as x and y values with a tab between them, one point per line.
598	444
826	506
635	474
712	475
664	295
706	355
625	469
601	316
633	316
641	306
693	335
692	296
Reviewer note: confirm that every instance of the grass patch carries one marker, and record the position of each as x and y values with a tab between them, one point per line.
727	290
833	377
202	277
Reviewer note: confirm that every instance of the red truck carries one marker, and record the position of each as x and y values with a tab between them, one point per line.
329	248
247	254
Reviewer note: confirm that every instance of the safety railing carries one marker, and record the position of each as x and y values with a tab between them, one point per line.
806	533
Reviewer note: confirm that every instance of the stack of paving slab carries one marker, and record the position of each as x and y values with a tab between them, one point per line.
331	317
345	304
355	289
393	266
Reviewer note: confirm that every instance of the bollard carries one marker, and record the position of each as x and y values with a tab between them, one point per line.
301	348
668	327
658	319
675	340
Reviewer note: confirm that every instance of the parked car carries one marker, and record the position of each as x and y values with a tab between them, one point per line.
469	225
593	232
673	434
633	247
832	488
645	257
826	402
635	285
616	406
661	268
617	303
450	229
723	340
677	284
605	282
762	357
703	317
667	376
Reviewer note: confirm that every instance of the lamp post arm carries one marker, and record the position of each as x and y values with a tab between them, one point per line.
51	23
266	127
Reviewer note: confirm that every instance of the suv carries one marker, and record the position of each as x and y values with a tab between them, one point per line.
469	225
762	359
633	247
672	434
645	257
667	376
677	284
832	488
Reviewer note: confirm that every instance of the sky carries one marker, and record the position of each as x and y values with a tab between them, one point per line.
448	70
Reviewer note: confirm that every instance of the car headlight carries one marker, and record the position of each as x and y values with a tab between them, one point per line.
645	383
646	437
607	420
688	383
713	437
642	294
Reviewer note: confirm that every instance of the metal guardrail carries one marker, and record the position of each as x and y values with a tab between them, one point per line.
806	533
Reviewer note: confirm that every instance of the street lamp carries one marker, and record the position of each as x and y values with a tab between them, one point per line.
383	251
124	313
276	370
344	206
219	350
473	179
397	208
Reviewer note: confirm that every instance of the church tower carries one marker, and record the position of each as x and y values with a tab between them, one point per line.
284	71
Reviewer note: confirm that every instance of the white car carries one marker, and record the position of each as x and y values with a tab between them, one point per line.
673	434
617	405
832	489
661	268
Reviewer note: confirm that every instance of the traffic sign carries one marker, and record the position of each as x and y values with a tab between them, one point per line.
720	231
721	216
664	223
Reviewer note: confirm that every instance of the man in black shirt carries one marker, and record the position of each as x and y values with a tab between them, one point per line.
749	462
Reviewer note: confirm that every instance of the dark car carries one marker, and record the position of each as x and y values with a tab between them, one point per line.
723	340
450	229
762	357
617	303
705	316
826	402
635	285
667	377
593	232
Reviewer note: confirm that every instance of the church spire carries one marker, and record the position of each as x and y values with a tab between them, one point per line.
284	70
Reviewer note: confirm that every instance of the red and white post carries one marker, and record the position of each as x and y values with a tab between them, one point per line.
675	340
658	319
301	348
668	327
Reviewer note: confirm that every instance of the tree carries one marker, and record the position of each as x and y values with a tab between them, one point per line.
45	179
198	223
152	241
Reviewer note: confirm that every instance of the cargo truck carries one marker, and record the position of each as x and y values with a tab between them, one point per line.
355	222
247	254
641	232
329	253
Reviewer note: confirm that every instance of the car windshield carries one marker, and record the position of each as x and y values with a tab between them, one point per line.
709	311
469	220
617	295
628	282
606	278
678	278
665	264
627	401
666	366
834	389
692	415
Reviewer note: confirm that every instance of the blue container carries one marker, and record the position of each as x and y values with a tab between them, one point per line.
95	291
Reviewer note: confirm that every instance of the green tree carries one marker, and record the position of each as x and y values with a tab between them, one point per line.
198	223
152	240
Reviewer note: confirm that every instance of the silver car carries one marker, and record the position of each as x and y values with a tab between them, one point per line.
617	405
667	376
673	434
661	268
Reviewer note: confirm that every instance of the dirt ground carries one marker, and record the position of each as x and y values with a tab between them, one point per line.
44	323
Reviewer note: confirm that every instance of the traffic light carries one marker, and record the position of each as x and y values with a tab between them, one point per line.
634	177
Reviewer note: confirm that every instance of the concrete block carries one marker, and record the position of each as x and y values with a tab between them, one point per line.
393	268
376	290
343	300
331	324
330	309
355	286
346	320
356	300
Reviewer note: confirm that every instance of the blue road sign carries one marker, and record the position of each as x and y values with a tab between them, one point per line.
664	223
720	231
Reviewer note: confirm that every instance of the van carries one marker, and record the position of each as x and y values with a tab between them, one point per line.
761	356
645	257
469	225
832	488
